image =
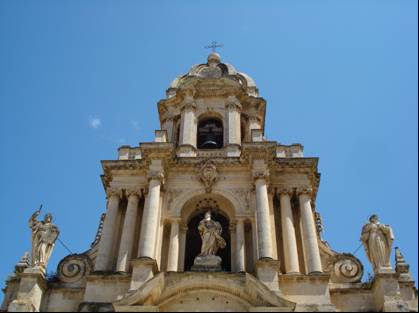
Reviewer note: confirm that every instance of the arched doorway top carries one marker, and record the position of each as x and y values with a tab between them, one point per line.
185	205
165	288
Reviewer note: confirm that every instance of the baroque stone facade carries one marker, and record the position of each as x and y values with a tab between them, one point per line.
211	155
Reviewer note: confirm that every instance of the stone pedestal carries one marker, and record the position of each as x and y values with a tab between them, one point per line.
233	150
186	151
143	270
387	296
211	263
31	290
310	292
267	271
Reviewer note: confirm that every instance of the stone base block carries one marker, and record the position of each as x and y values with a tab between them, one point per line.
21	306
311	292
315	308
387	294
96	307
267	271
233	151
31	290
137	308
211	263
186	151
143	270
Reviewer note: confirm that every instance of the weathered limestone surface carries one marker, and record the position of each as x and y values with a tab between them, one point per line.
263	253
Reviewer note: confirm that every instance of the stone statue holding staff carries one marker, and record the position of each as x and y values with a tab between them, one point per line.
44	235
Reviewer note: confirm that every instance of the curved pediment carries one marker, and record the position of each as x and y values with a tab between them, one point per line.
192	291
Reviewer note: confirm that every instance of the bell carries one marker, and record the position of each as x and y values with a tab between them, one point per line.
209	141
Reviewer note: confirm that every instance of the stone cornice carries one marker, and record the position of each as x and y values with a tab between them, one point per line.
307	166
259	150
157	150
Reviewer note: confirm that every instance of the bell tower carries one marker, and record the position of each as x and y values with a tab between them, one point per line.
260	249
212	108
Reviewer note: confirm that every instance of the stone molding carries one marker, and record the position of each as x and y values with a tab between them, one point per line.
134	193
304	191
233	104
113	192
156	175
260	174
285	191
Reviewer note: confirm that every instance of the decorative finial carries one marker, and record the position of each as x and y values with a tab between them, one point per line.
402	267
23	264
214	46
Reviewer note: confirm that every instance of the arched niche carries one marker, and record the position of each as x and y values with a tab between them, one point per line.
192	213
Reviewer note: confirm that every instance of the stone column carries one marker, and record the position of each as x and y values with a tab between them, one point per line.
182	247
128	232
240	246
188	128
263	217
288	233
150	221
232	230
173	258
233	124
254	122
309	234
106	243
168	125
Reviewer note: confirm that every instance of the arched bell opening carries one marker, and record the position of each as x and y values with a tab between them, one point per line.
210	133
193	239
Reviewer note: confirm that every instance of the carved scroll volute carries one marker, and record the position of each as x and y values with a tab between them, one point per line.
345	268
74	268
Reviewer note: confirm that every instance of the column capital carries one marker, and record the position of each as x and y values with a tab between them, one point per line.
169	117
304	191
253	117
233	104
174	220
156	175
183	227
232	227
189	104
260	174
240	220
113	192
285	191
133	192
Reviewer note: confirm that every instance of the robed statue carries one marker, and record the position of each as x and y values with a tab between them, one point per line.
210	232
44	235
378	240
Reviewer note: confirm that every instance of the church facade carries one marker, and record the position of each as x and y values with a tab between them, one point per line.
212	189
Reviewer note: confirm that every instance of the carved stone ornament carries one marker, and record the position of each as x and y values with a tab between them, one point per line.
99	231
74	268
345	268
23	263
208	175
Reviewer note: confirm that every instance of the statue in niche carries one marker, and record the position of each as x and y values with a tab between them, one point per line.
44	235
210	232
378	240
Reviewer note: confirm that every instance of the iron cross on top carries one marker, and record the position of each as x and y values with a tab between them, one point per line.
214	46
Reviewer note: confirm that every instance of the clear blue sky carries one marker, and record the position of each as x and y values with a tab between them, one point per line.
80	78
